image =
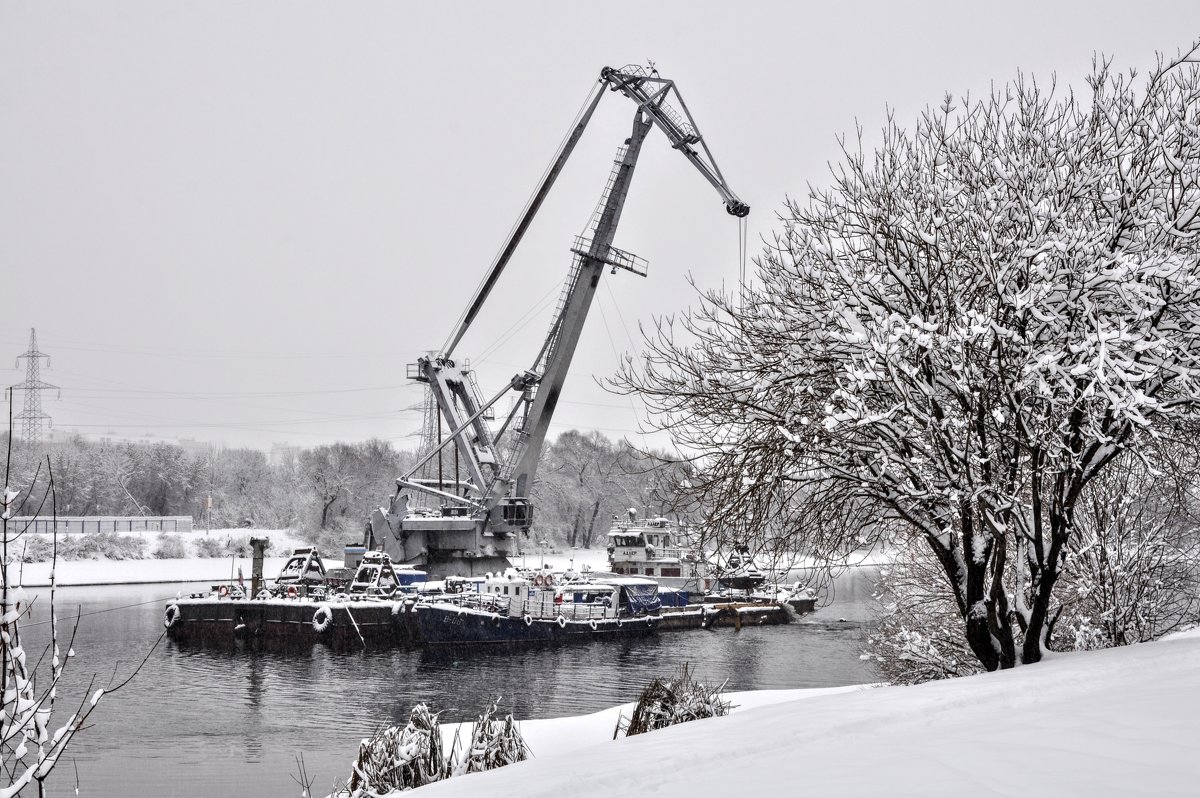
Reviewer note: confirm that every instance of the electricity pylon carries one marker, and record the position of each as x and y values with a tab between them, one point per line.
32	418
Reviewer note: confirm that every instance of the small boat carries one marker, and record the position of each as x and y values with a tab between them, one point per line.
738	571
510	609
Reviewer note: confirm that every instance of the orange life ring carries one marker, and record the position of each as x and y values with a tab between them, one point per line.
222	591
538	581
292	592
549	580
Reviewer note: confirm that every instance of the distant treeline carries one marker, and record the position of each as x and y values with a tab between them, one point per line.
328	492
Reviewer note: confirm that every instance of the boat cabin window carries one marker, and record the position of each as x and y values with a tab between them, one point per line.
632	539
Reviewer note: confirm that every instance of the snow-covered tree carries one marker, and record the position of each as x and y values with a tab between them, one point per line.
969	326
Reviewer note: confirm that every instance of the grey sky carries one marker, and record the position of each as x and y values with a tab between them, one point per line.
239	221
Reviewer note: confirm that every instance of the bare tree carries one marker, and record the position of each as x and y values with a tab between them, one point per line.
30	744
960	334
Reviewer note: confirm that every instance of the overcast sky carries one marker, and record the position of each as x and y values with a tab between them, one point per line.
238	222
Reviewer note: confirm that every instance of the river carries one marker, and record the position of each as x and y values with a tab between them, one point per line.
203	722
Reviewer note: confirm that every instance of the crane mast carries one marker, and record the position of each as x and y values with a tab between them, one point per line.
479	524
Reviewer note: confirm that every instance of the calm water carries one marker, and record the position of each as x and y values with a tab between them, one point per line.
200	722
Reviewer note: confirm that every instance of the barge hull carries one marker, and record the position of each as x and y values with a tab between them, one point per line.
448	626
348	623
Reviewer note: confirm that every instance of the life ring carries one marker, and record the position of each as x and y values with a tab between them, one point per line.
549	581
592	624
223	591
292	592
528	620
172	618
562	622
538	581
322	618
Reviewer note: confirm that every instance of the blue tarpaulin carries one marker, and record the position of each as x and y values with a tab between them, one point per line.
642	599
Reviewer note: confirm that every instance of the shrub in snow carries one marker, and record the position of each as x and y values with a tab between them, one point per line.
223	546
170	547
1131	574
494	744
967	328
82	546
668	702
917	637
395	758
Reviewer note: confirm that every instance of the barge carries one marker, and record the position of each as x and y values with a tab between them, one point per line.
368	604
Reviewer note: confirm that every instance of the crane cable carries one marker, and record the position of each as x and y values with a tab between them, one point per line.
742	246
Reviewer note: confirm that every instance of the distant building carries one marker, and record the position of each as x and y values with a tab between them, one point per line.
283	454
191	446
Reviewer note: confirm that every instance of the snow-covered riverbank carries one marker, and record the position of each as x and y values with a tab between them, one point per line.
1108	723
153	570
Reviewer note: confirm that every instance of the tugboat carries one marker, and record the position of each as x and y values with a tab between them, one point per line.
654	548
512	610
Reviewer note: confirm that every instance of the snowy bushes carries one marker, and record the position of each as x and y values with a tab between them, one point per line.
226	546
1131	574
666	703
85	546
170	547
395	759
400	759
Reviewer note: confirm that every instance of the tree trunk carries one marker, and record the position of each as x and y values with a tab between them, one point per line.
591	530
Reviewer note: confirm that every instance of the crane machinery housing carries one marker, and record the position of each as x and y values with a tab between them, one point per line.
482	518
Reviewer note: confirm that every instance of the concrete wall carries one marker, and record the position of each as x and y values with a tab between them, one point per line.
103	523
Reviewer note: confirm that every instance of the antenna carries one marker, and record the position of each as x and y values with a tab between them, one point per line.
32	416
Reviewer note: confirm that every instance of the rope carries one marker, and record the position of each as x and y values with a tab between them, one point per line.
742	246
109	609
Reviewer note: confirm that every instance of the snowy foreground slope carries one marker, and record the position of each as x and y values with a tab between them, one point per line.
1108	723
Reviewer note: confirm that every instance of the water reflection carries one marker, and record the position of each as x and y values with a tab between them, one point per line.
201	721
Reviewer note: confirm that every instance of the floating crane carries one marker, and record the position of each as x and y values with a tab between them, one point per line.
482	518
